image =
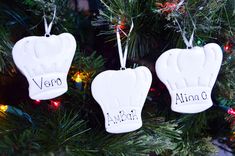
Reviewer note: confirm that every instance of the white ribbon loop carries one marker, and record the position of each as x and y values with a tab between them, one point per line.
188	43
123	57
48	28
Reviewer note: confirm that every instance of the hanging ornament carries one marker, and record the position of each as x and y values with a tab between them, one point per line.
122	93
45	61
189	75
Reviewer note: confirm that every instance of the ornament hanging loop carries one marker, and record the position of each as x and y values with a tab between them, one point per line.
123	57
188	43
122	68
48	27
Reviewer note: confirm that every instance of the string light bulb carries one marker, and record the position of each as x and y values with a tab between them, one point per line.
199	42
228	47
169	7
3	108
122	25
231	111
55	103
77	77
82	79
37	102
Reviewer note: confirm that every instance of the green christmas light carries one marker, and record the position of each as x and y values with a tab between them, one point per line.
199	42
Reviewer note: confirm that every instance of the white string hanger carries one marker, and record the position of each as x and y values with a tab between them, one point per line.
123	57
48	27
188	43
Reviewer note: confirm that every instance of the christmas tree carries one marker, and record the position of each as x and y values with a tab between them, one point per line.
73	123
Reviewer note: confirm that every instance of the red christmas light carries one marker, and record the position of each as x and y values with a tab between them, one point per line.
37	102
170	6
228	47
152	89
122	25
55	103
167	7
231	111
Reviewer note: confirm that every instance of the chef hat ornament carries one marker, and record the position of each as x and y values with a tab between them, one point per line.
189	75
45	61
121	93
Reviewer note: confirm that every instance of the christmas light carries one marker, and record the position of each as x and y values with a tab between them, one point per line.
55	103
231	111
122	25
152	89
37	102
169	7
82	79
77	77
3	108
228	47
199	42
78	80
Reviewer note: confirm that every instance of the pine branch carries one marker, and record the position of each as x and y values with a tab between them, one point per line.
205	16
158	138
6	62
58	133
145	29
62	22
93	63
225	84
62	131
191	147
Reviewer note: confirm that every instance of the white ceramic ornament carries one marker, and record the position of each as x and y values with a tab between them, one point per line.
121	95
189	75
45	62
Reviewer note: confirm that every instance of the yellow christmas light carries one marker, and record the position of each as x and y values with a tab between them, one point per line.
3	108
77	77
82	77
